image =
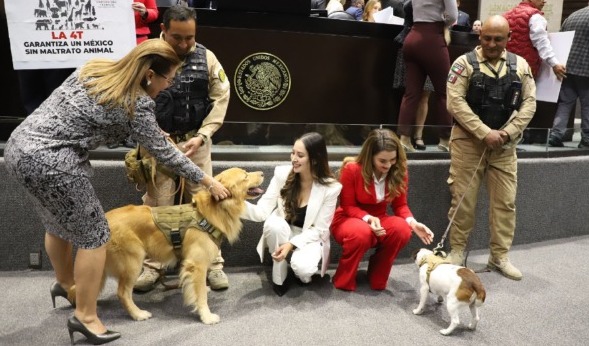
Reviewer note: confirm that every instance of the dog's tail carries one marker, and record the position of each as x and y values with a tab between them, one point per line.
473	285
481	294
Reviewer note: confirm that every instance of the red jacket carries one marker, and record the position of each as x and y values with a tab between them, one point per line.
142	24
520	42
356	202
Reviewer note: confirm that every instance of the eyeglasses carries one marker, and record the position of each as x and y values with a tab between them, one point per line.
170	81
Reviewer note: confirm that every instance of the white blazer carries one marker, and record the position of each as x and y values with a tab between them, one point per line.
320	211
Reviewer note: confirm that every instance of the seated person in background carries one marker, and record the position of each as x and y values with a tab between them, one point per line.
476	27
463	17
333	6
371	182
355	9
372	6
297	210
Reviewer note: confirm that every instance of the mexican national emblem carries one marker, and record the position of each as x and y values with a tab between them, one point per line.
262	81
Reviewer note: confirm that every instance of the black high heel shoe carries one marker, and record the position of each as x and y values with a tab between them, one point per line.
418	143
280	290
74	325
57	290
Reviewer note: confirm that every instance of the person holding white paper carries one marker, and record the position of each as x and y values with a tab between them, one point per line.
530	40
576	85
372	6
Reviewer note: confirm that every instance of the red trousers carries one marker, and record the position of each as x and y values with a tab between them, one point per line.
356	237
426	54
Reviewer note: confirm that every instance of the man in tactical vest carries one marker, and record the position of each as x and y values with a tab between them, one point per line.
191	110
492	97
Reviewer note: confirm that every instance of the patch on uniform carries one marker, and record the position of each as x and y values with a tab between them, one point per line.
222	76
457	68
452	78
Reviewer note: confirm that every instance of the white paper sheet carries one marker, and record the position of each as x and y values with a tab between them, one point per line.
547	85
386	16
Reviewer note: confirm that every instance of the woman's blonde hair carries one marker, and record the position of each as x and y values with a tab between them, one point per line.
119	83
367	8
384	140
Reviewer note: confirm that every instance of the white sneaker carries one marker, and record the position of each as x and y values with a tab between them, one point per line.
456	257
504	267
218	280
147	279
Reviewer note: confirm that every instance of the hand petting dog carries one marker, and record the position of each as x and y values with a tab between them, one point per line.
216	189
422	231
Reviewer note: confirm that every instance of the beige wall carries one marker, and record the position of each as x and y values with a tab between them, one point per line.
552	10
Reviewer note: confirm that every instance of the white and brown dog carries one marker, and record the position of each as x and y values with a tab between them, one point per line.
460	285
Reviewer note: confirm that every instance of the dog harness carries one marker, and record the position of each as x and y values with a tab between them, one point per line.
175	220
432	262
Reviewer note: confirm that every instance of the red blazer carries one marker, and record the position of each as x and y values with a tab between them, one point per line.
142	25
356	202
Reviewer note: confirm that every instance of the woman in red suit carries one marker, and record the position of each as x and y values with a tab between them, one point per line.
145	12
372	181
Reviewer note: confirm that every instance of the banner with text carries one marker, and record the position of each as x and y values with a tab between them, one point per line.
67	33
552	10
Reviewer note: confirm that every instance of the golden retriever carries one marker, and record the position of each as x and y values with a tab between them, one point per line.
134	235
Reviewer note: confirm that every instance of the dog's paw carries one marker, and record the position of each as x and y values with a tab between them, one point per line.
446	331
210	319
417	311
142	315
472	326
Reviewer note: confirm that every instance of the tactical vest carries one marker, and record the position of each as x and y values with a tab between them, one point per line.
494	99
432	262
183	106
175	220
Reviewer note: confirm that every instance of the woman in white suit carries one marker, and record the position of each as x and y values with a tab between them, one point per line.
297	210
